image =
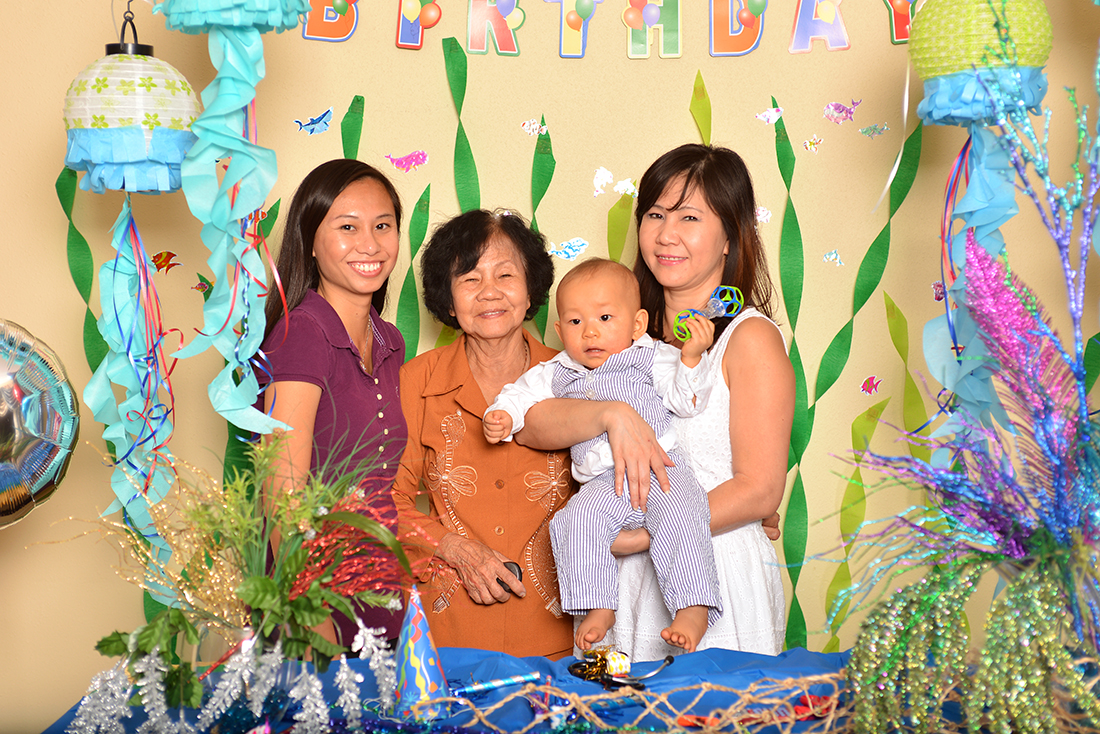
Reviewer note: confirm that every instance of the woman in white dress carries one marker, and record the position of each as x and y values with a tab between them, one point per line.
696	220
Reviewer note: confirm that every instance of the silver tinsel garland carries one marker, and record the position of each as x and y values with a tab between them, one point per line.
347	682
267	677
105	705
238	672
150	671
313	718
371	645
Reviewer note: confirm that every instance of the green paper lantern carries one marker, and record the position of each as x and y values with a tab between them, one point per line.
949	36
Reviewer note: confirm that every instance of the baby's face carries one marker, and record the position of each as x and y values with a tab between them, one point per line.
596	319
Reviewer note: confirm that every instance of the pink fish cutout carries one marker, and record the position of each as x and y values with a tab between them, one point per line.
839	113
870	385
937	290
409	162
770	115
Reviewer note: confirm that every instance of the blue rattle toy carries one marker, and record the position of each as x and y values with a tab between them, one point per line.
725	301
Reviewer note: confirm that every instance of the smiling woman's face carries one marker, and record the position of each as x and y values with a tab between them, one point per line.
491	301
685	247
356	243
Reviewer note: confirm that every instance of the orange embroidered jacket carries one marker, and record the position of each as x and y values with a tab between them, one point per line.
502	496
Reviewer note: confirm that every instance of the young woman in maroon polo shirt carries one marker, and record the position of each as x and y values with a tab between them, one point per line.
334	362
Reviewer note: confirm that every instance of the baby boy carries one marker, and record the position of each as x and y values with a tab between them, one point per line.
609	356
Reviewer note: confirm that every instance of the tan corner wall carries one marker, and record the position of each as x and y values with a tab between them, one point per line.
603	110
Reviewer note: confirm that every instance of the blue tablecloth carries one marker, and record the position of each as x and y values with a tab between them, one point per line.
734	670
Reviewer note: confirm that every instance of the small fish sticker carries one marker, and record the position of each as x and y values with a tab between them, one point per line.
812	144
165	261
409	162
204	286
770	115
570	249
763	214
533	127
839	113
937	290
870	385
626	186
832	256
602	178
873	131
316	125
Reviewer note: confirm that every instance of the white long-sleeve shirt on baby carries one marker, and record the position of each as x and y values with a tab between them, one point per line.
684	391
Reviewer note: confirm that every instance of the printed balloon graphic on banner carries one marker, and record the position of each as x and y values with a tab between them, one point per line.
38	422
430	15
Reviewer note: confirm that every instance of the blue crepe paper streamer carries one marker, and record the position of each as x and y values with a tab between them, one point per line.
201	16
119	158
122	325
989	202
237	54
961	98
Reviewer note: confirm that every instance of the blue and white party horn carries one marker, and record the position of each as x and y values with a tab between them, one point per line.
491	685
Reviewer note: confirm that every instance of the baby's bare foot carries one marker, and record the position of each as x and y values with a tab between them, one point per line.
687	628
595	626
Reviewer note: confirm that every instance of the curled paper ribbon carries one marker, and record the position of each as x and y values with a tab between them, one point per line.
237	54
724	301
139	426
953	347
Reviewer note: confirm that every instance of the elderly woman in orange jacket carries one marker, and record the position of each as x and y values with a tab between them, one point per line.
484	274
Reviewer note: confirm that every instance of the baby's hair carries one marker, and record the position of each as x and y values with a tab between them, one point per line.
600	266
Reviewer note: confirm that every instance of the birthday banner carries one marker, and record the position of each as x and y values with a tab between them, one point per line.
736	26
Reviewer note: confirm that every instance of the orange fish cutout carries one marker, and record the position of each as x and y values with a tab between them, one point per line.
870	385
809	707
165	261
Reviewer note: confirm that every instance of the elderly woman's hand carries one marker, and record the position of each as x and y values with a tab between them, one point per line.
636	453
480	567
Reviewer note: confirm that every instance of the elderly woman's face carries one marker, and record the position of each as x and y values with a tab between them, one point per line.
491	300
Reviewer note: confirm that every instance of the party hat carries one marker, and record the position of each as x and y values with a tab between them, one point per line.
419	671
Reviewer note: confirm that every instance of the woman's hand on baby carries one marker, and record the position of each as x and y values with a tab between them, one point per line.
628	542
701	337
771	526
636	453
497	425
481	569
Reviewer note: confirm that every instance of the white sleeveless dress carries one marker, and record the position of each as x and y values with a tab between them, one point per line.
751	589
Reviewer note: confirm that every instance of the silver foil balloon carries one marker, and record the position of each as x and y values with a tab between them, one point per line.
39	422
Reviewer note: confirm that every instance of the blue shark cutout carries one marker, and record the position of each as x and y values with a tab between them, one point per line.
316	125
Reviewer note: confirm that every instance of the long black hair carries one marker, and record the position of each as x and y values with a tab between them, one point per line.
724	181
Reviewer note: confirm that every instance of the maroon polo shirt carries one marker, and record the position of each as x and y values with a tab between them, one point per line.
359	417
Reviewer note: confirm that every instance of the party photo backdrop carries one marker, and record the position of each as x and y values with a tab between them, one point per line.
552	109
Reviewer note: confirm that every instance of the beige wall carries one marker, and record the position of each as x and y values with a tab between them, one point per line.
603	110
